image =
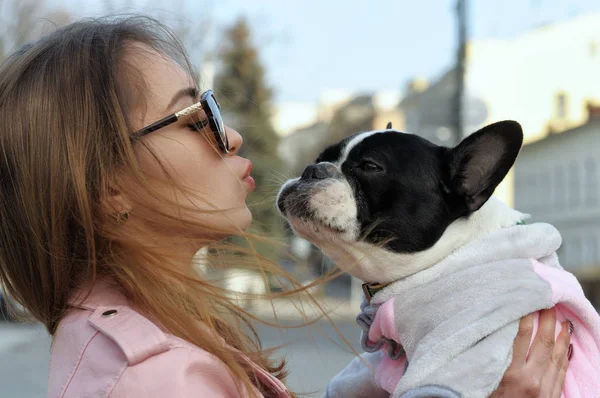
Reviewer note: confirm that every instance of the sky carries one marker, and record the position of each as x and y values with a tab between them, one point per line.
308	46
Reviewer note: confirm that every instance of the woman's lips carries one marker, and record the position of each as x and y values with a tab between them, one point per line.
248	178
248	169
250	181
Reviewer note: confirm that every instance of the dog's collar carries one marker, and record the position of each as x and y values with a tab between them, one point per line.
370	289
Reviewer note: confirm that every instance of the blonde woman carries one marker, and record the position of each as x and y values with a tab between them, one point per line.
115	169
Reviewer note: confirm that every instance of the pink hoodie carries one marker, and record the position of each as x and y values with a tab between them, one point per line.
106	349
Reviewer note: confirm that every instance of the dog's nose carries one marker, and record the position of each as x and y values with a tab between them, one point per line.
319	171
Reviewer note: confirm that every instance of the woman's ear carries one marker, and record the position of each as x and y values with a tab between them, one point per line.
116	205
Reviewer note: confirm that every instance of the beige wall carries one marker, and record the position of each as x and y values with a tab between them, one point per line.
382	118
520	79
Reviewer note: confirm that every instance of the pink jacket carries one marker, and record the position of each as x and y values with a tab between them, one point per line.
106	349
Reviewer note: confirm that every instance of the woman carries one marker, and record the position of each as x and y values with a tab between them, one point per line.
115	170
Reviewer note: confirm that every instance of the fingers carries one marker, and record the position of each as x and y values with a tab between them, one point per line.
540	352
522	341
553	379
541	373
562	373
543	343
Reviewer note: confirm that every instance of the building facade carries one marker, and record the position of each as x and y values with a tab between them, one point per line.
557	180
544	79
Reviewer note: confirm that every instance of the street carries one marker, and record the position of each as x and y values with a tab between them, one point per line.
312	358
24	359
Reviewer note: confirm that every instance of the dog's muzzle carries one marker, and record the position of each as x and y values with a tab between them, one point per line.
312	176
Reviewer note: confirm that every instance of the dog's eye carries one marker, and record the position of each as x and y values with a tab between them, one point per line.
370	166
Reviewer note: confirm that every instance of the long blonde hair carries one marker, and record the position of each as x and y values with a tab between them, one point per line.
65	103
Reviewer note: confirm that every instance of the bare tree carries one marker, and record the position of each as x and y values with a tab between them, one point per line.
192	25
22	21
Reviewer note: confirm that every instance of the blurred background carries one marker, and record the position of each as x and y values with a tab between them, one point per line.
293	76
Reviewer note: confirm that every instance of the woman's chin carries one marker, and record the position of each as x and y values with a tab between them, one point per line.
237	223
215	228
245	219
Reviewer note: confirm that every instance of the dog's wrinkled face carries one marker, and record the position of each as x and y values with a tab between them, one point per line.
372	186
395	190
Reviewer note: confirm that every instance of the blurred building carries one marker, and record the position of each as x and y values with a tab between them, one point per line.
557	180
543	79
338	114
298	147
292	115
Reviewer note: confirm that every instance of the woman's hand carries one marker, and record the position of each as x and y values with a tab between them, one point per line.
541	374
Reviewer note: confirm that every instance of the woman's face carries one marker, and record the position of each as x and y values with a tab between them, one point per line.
190	157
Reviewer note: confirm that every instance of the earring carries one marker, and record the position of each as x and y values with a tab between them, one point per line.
122	216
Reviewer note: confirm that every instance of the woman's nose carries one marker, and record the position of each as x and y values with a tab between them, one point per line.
235	140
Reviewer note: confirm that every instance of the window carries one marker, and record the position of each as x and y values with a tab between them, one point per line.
560	187
591	181
523	192
595	251
520	194
575	253
533	191
590	252
574	185
561	106
546	189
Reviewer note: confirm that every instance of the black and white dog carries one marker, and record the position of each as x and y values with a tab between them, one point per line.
448	269
385	204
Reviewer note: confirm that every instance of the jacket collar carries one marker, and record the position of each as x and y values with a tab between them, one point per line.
103	292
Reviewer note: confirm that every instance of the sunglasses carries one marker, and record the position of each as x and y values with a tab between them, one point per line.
209	105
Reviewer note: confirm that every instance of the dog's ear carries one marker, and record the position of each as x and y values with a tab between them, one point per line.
389	126
481	161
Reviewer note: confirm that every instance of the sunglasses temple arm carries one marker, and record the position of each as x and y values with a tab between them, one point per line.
156	125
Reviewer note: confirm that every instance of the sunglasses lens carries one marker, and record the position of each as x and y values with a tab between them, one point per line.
215	114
